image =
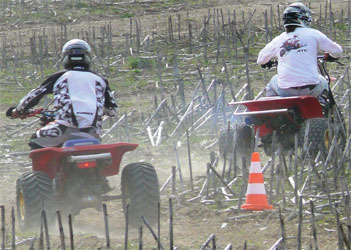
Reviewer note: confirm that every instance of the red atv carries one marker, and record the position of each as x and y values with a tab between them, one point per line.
288	116
73	177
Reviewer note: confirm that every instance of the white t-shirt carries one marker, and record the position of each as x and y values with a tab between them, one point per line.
297	56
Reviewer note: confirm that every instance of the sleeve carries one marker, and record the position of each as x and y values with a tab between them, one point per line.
35	95
268	52
110	102
327	45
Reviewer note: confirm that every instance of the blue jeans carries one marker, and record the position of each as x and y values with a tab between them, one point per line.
272	89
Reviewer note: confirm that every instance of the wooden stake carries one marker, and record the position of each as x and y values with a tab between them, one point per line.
151	231
62	234
46	229
126	228
313	224
210	239
13	243
282	229
299	229
3	235
189	158
158	225
171	244
70	227
140	238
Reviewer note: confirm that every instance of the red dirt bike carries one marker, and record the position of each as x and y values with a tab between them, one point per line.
287	116
73	177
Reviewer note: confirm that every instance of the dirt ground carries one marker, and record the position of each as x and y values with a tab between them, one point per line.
193	221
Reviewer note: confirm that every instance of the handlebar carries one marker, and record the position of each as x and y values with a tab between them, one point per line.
40	112
45	116
34	113
27	114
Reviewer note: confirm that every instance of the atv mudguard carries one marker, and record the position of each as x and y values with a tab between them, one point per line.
307	107
49	160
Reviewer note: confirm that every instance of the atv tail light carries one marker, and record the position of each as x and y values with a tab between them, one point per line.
86	164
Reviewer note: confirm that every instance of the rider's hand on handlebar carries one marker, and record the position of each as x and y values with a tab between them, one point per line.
329	58
268	65
12	112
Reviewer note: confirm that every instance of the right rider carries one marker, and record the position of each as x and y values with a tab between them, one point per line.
296	51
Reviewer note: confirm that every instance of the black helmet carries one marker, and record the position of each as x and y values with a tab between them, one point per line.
297	14
76	52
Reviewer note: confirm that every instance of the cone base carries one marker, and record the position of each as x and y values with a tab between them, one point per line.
254	207
256	202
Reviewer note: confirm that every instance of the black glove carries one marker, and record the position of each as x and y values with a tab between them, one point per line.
11	112
329	58
268	65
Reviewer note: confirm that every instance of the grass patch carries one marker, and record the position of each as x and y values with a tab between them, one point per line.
140	63
127	15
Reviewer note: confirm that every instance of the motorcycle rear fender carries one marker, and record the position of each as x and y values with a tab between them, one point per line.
49	160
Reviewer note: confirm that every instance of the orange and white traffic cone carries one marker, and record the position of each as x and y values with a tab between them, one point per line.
256	199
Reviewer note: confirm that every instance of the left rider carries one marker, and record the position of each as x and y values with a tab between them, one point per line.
296	50
81	97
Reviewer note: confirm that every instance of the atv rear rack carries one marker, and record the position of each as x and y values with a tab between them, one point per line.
307	106
79	158
263	112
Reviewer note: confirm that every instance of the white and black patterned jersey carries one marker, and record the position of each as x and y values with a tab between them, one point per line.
79	97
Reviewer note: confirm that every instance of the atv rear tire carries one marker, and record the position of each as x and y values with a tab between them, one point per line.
244	139
339	120
140	191
319	137
34	193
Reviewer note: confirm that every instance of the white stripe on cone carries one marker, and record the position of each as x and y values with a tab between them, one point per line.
255	167
256	188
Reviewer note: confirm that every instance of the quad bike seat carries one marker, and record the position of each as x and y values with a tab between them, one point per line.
80	142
